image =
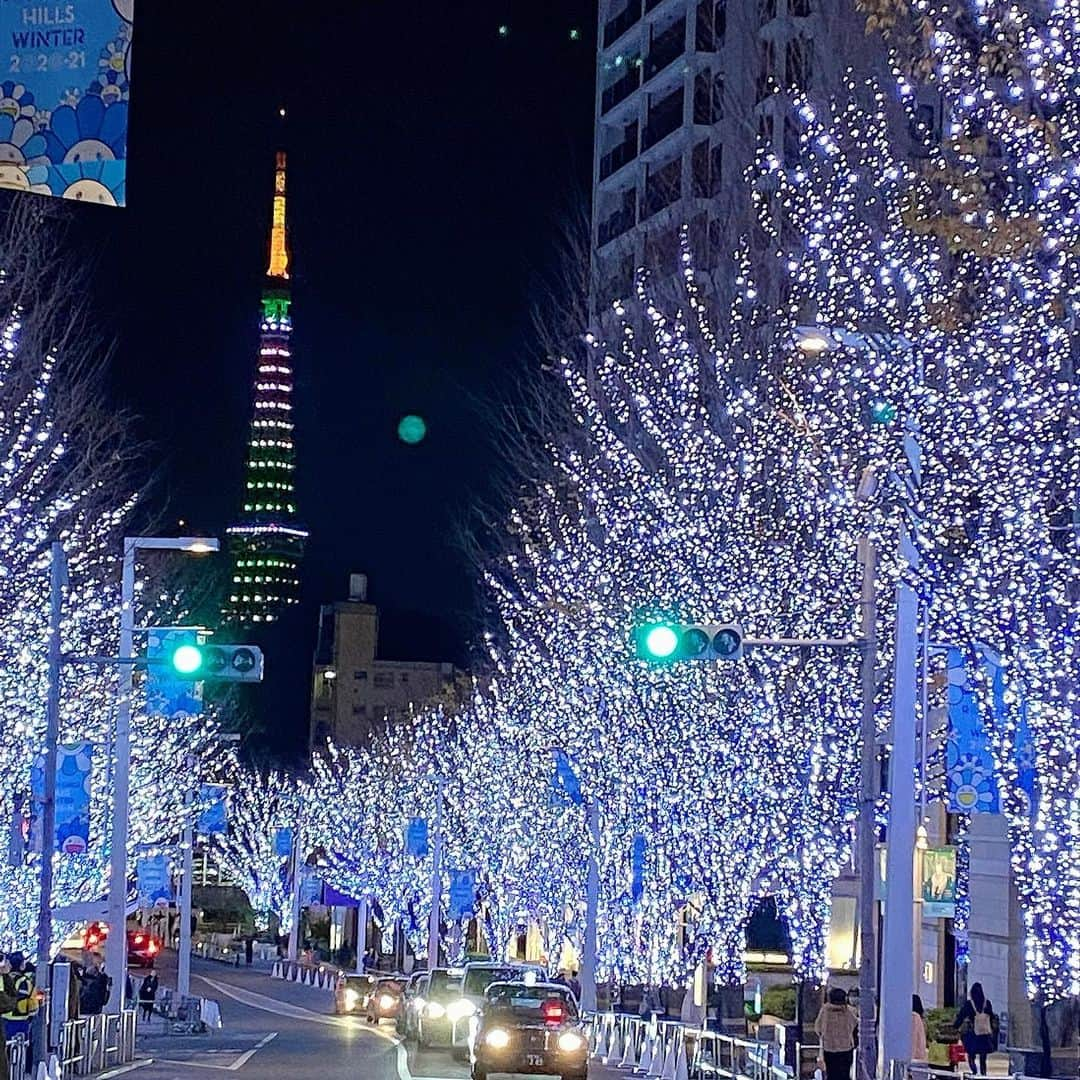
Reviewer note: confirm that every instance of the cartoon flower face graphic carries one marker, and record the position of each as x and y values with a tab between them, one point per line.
110	87
973	785
16	100
113	56
20	144
101	182
92	131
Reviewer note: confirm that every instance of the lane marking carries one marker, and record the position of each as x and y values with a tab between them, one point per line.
126	1068
236	1066
403	1065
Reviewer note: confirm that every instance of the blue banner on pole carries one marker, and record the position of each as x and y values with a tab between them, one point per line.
153	883
462	895
637	867
416	837
1024	746
311	887
968	762
64	107
283	843
167	695
214	818
74	768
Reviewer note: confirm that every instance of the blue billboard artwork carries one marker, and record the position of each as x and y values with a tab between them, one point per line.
65	85
74	770
214	818
283	843
462	895
153	882
416	837
969	764
166	694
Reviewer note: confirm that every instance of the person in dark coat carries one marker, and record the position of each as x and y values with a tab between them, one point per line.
249	950
94	988
148	993
976	1022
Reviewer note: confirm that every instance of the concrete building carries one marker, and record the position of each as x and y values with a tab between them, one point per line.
684	91
352	687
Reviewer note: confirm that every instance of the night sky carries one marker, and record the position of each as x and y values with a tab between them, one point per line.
430	161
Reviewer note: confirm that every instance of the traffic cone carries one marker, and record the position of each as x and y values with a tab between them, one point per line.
658	1057
682	1071
55	1070
42	1072
668	1072
613	1051
601	1042
645	1064
629	1057
276	973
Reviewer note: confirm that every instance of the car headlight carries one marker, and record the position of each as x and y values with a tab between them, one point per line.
497	1039
569	1041
418	1004
352	999
435	1011
458	1010
386	1002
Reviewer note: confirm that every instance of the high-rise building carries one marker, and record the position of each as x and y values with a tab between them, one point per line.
353	688
267	543
685	92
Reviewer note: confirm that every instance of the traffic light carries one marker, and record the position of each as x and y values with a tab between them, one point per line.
224	663
665	642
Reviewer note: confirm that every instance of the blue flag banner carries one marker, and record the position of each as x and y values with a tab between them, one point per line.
154	886
416	837
64	98
968	762
637	867
167	695
310	887
462	895
565	781
74	769
214	819
1024	746
283	842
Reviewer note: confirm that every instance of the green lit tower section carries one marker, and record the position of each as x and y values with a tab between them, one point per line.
268	542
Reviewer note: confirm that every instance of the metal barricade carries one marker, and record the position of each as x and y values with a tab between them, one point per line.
18	1060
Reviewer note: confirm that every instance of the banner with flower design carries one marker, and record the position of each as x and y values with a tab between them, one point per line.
64	92
968	761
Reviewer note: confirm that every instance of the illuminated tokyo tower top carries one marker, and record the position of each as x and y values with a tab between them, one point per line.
267	543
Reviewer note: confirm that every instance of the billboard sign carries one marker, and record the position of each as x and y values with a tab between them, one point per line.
939	883
64	93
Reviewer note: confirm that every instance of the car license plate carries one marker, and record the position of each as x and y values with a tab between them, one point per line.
534	1060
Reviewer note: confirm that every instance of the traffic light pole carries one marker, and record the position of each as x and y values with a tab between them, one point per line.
592	904
57	581
436	882
294	929
183	959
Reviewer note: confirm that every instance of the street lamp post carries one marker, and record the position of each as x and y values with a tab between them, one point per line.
436	882
116	943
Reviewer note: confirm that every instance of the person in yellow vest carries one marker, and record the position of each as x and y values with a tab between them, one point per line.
19	984
8	1004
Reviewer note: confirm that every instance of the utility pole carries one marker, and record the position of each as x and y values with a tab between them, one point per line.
183	960
867	848
57	580
592	904
436	882
294	929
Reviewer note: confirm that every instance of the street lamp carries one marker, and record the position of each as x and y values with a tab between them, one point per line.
116	943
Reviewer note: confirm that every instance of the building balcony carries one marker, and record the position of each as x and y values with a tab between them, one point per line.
622	155
622	221
664	117
621	90
666	49
615	27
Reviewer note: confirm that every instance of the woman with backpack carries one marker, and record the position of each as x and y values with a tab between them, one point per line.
976	1022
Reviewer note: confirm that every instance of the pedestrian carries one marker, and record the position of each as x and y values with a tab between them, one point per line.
148	994
835	1025
575	985
8	1002
918	1030
249	950
19	983
94	989
976	1022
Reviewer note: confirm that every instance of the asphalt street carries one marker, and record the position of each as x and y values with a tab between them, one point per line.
273	1030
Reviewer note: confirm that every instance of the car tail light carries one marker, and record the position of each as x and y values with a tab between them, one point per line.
553	1012
152	948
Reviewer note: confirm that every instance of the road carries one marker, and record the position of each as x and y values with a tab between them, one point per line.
274	1030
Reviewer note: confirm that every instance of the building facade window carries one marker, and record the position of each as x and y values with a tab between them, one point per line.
663	186
711	25
800	60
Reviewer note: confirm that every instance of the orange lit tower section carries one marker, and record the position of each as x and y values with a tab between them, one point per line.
268	542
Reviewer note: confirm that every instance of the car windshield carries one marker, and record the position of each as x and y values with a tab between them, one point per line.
390	986
359	982
530	1002
444	985
478	979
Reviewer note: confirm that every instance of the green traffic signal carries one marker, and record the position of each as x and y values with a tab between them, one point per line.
659	642
187	659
